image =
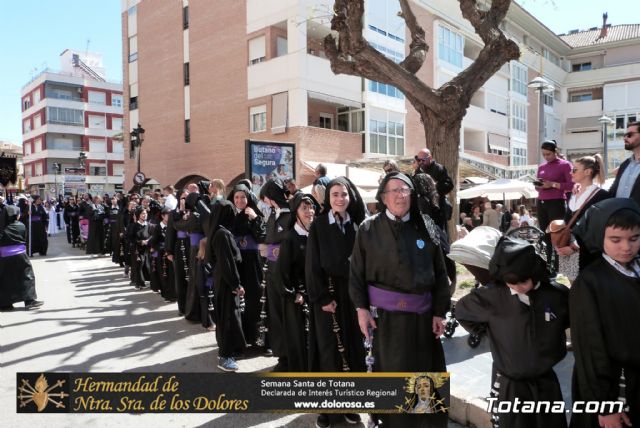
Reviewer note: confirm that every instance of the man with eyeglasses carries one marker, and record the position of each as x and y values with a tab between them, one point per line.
626	183
423	163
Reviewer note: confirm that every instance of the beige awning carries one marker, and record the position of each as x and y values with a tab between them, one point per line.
498	142
279	113
583	123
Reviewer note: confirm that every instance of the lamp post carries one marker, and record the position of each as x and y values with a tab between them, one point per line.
543	86
606	121
82	158
56	171
137	137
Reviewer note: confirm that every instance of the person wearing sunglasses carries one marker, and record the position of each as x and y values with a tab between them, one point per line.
626	183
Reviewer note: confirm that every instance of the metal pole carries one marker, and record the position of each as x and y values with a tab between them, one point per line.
540	124
605	154
30	253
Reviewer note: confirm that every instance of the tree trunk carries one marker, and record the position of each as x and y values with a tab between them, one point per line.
442	138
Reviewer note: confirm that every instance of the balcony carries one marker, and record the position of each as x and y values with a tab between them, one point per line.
601	75
583	109
485	120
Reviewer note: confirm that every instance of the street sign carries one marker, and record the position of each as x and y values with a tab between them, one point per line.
52	190
139	178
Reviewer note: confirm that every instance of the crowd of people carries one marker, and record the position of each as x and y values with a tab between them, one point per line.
323	286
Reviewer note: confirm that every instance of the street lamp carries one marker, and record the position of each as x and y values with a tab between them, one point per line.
606	121
82	158
137	137
56	171
543	86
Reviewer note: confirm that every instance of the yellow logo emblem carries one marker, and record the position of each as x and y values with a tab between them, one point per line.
41	394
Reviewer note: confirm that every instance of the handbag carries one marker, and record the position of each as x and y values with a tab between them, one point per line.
560	232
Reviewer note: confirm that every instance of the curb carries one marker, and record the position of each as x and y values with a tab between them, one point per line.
469	412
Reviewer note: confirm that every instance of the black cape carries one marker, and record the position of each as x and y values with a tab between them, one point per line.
17	280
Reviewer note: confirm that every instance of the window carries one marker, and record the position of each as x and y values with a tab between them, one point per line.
385	89
258	118
386	137
65	116
116	123
281	46
551	57
27	149
350	119
257	50
37	145
96	97
26	126
133	48
187	130
133	103
117	147
185	73
37	121
548	99
98	122
450	46
519	156
38	169
326	120
36	96
118	170
99	146
518	78
584	66
185	17
26	103
382	18
518	116
576	98
98	170
116	100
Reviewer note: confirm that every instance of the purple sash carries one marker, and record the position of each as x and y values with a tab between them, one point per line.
182	234
195	238
273	251
12	250
106	221
35	218
246	242
155	254
399	302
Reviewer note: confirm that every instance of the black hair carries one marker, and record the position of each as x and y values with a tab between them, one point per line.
624	219
321	169
550	145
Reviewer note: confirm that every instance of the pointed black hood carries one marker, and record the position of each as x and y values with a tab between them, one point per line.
356	208
294	204
274	189
590	228
518	257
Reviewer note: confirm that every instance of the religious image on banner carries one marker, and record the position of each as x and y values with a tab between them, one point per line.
424	395
269	160
8	170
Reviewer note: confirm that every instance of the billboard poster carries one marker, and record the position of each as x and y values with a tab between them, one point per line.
266	160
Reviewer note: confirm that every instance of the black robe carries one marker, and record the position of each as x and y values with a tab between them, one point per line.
276	231
226	279
17	280
327	259
161	268
39	226
291	264
124	221
402	258
249	233
140	263
115	241
605	317
71	212
178	248
526	342
97	215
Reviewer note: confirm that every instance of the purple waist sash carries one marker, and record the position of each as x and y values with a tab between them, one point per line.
195	238
273	251
106	221
246	242
399	302
155	254
12	250
182	234
35	218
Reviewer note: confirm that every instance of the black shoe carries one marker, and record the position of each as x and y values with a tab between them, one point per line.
268	352
352	418
7	308
323	421
32	304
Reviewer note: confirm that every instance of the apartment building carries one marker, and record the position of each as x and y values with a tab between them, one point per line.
72	128
202	90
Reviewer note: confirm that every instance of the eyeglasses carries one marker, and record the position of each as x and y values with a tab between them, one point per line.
420	159
404	191
388	170
575	170
629	134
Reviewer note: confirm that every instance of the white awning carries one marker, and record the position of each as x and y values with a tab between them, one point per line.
498	142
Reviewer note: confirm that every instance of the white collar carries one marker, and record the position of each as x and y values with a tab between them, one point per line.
634	272
300	230
142	224
405	218
523	297
332	218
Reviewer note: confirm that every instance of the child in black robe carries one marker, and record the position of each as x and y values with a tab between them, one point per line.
225	257
605	315
292	281
525	317
138	235
161	267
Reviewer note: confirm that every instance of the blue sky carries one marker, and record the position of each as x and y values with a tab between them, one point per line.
35	32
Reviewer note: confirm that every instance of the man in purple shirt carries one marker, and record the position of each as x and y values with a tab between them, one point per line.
554	182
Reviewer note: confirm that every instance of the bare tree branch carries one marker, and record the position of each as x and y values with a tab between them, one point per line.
418	48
